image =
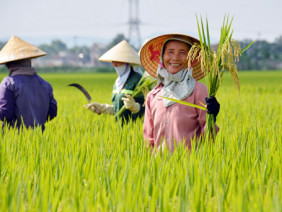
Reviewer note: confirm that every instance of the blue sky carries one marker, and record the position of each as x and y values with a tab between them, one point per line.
88	21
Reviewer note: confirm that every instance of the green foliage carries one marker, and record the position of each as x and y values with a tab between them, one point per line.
76	56
262	56
116	40
215	62
54	48
87	162
2	44
59	45
186	103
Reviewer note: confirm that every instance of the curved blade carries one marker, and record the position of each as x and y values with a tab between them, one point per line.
82	89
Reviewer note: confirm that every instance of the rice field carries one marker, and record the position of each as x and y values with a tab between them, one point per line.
87	162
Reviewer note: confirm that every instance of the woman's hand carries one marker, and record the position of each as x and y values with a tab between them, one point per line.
100	108
130	104
212	106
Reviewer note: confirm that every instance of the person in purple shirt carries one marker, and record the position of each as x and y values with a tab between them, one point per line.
167	123
26	100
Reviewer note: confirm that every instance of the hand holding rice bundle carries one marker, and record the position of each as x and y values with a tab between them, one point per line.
130	104
167	122
178	61
100	108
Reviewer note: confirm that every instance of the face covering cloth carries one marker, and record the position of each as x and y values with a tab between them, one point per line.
123	72
177	86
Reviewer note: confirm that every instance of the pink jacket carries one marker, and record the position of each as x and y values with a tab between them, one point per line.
176	123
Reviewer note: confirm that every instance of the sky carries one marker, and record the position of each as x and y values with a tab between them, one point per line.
83	22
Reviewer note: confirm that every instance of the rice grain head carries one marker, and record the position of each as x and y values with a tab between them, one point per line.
237	49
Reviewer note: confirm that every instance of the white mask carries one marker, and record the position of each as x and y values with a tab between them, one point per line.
121	69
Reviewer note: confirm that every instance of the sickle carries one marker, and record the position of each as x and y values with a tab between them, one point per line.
86	94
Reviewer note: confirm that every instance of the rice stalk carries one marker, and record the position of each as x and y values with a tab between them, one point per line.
215	62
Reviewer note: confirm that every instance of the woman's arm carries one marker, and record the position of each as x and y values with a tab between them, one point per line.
7	103
52	112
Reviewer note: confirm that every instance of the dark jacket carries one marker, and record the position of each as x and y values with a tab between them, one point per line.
26	100
128	88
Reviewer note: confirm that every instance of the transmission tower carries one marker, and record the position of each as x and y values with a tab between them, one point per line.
134	34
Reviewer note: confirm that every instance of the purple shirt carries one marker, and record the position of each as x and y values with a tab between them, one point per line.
175	123
27	98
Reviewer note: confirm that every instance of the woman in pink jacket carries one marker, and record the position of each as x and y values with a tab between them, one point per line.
167	123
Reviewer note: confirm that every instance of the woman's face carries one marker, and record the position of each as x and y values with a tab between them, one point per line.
117	64
175	56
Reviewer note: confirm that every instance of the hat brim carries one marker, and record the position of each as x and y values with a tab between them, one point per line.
122	52
150	53
17	49
7	60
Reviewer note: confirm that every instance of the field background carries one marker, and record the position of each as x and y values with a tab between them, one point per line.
86	162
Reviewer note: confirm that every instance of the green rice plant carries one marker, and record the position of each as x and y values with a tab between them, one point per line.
186	103
87	162
215	62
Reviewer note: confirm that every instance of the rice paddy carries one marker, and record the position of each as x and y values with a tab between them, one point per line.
87	162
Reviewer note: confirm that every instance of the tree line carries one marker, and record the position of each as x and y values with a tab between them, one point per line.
262	55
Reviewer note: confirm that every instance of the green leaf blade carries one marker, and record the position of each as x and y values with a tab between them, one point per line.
185	103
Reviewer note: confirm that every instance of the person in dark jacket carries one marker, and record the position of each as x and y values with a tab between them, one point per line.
126	62
26	100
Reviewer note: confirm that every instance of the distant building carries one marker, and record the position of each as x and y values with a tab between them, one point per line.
73	58
95	52
63	58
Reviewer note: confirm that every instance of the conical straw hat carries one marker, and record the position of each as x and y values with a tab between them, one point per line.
150	54
122	52
18	49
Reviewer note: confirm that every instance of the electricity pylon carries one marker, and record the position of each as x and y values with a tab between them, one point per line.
134	34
